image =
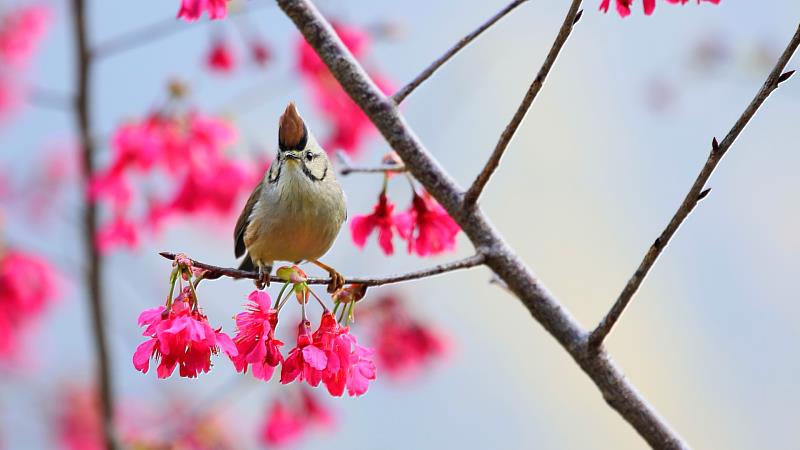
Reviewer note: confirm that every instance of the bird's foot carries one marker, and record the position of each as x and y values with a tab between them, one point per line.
337	280
264	277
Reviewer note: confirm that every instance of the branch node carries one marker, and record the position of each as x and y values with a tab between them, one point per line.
785	76
703	194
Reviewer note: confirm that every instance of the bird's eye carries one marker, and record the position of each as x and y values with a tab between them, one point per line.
309	156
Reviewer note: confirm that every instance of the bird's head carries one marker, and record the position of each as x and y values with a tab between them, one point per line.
298	150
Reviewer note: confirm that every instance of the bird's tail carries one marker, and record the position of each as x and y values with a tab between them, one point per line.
247	263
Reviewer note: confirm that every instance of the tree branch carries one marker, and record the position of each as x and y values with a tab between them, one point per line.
519	278
347	168
695	194
94	275
471	197
153	32
213	272
400	95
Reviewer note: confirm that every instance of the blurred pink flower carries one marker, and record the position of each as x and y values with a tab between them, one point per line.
119	232
191	10
220	57
349	125
428	228
27	287
21	31
382	218
287	420
185	153
78	424
255	337
181	337
404	345
260	53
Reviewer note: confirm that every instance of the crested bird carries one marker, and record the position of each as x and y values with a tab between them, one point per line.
294	214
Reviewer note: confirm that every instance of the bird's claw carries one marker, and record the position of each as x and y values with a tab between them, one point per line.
337	281
263	280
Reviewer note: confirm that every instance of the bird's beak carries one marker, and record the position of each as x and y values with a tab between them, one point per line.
294	155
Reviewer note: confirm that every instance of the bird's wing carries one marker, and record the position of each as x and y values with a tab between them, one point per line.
244	220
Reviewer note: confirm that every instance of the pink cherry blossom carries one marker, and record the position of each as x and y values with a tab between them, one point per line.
404	345
306	361
28	285
624	6
78	425
287	420
428	228
21	31
191	10
119	232
260	53
220	57
382	218
348	364
255	339
180	336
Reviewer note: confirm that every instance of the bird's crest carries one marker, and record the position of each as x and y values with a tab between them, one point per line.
292	132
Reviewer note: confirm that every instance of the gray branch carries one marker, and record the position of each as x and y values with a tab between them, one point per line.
519	278
696	193
434	66
213	272
474	192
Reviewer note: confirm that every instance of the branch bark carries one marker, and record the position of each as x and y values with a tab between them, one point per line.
94	275
213	272
695	194
425	74
519	278
474	192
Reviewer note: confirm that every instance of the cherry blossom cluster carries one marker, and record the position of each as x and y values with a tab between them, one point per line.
291	416
349	125
21	31
404	344
179	335
426	226
624	6
222	57
28	286
184	151
78	425
191	10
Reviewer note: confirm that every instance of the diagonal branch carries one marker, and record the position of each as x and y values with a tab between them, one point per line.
542	305
573	15
400	95
466	263
696	193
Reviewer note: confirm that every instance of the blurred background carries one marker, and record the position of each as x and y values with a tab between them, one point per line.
600	164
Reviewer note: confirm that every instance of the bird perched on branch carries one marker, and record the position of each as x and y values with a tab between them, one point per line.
296	211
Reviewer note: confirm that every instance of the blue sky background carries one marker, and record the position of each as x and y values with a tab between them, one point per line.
589	181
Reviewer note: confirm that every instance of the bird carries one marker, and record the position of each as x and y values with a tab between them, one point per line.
297	209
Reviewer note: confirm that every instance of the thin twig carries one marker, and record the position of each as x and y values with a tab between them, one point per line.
213	272
94	276
616	389
471	197
155	31
400	95
695	194
347	168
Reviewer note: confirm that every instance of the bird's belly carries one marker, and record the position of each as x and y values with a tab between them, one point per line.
300	229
